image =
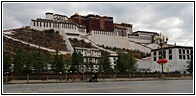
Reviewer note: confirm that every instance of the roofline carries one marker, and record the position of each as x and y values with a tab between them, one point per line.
145	32
49	13
61	15
188	47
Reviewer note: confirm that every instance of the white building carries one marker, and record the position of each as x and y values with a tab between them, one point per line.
119	38
113	59
144	64
177	57
90	56
142	37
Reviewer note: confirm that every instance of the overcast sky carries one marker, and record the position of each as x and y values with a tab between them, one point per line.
174	20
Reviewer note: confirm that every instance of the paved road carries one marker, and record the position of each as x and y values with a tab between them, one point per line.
159	86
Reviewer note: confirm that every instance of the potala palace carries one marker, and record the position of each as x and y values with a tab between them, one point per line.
98	29
101	30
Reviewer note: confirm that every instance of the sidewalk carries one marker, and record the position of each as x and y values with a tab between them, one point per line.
99	80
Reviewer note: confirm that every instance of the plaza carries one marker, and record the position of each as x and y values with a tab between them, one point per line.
129	87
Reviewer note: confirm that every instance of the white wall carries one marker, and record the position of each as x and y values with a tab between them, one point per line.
174	64
49	16
138	39
110	40
135	46
67	30
153	45
113	40
113	60
144	64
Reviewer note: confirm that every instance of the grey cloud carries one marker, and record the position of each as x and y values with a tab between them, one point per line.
143	16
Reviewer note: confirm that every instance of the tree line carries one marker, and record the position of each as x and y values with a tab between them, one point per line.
37	62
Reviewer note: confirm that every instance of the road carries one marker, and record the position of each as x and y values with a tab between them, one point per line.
132	87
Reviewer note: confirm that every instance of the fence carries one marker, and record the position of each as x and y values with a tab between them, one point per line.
83	77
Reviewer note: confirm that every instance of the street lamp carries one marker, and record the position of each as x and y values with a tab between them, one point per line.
161	40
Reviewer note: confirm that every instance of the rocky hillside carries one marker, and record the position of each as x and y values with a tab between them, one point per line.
80	43
47	38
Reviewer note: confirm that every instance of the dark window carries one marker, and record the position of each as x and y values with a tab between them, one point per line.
155	53
159	52
180	51
37	23
184	57
46	24
188	57
170	57
187	51
34	23
180	56
164	54
40	24
183	51
155	59
160	57
170	51
50	24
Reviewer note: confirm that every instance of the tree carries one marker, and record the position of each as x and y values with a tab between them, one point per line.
106	64
58	63
121	63
77	59
6	61
125	62
100	65
19	59
68	62
37	60
131	62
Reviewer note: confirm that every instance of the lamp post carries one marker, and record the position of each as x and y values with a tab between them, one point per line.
161	40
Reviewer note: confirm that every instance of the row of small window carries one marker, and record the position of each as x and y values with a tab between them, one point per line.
104	33
110	33
170	57
182	51
140	37
96	66
81	30
55	25
180	57
164	52
88	51
184	56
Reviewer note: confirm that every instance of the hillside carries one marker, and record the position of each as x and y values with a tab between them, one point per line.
46	38
80	43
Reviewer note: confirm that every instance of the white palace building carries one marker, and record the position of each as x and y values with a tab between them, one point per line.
177	57
100	30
